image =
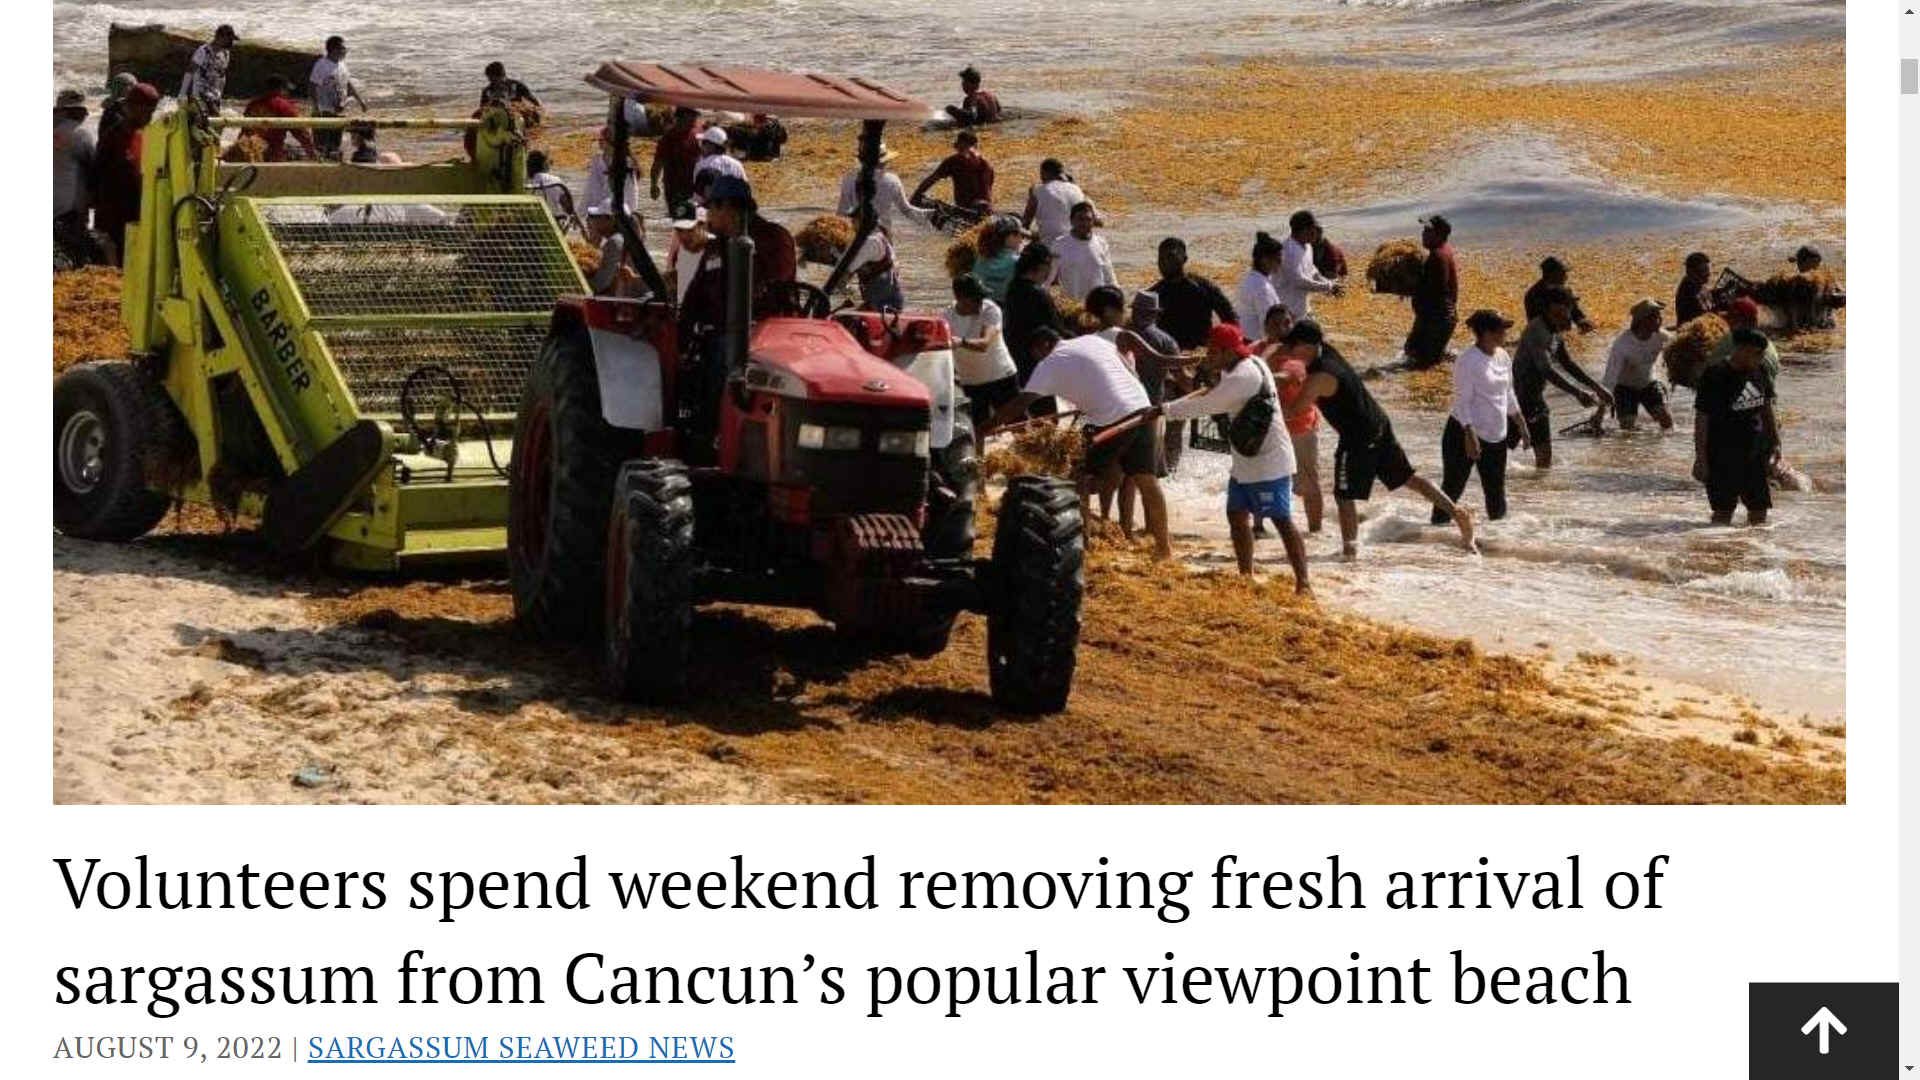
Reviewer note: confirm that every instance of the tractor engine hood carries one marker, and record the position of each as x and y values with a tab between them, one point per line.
818	360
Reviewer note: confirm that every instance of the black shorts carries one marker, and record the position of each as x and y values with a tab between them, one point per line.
1357	465
1136	451
985	399
1427	341
1735	481
1627	400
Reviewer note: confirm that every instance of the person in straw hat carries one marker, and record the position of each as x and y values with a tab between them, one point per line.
890	202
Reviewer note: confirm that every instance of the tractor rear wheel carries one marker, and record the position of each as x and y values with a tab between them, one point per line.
565	458
649	585
113	426
949	533
1033	625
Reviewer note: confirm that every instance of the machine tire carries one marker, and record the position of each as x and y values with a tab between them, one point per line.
1033	621
649	585
113	427
950	530
565	459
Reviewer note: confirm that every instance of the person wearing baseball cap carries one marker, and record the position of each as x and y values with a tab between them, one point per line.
206	79
1089	372
687	248
982	366
1484	410
116	184
1736	437
1368	450
715	162
1553	274
1629	370
1743	313
1260	478
731	212
1435	297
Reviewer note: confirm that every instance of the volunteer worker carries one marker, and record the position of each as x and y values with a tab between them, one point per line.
1260	481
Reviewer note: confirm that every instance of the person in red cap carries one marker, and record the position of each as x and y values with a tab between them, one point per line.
1744	314
116	197
1260	480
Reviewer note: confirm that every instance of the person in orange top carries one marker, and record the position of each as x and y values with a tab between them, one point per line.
1289	377
278	101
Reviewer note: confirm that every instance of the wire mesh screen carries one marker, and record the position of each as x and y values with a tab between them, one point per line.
490	362
421	258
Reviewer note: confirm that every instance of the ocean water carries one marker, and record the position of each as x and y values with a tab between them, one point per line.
433	53
1610	551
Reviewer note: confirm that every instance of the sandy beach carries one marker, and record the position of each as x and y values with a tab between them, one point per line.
192	667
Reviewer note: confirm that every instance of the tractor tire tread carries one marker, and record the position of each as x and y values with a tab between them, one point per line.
1033	629
149	433
649	624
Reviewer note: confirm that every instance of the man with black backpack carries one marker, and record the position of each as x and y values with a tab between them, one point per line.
1260	483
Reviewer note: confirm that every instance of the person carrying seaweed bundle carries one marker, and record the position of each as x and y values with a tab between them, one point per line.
1436	297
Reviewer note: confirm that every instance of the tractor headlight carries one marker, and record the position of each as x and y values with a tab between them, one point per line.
821	437
904	442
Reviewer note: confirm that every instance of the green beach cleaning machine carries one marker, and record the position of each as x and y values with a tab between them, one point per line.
335	349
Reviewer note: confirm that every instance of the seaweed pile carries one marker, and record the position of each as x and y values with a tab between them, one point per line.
1395	267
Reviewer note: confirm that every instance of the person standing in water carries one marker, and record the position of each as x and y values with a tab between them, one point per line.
1537	362
1368	450
1484	409
1436	297
1303	427
1736	437
1260	480
1629	372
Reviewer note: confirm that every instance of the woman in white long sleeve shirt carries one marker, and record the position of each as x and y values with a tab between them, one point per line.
1259	484
890	202
1485	409
1256	295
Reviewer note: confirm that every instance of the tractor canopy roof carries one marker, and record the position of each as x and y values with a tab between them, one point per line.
750	90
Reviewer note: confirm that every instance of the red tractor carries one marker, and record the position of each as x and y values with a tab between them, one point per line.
779	454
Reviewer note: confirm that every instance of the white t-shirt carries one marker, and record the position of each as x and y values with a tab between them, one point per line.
1089	372
1630	360
686	267
1298	279
1053	203
599	192
1081	266
1238	385
721	164
890	202
1257	294
971	367
1483	394
330	83
552	189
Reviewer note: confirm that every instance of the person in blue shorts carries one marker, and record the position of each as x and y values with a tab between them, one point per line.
1260	483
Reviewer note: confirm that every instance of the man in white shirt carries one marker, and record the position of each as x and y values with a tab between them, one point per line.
1485	410
890	202
1082	261
684	251
1050	203
331	85
1090	372
206	77
715	162
598	190
1297	279
1629	373
981	363
1260	484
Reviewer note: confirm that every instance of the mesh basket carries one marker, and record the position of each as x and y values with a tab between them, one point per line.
491	362
389	258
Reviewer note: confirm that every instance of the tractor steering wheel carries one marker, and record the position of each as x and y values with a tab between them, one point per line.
796	298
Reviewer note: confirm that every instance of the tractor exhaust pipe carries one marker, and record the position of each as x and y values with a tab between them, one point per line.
739	301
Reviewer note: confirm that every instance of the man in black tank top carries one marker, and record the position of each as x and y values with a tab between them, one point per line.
1368	450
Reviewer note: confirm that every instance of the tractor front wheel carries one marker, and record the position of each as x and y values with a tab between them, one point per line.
111	422
649	586
1033	624
949	532
560	491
